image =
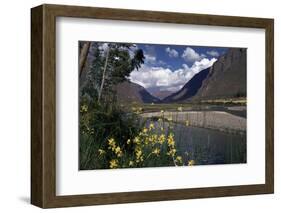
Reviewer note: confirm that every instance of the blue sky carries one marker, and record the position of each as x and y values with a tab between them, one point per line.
169	67
172	55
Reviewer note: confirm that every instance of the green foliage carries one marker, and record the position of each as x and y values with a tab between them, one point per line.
138	59
97	125
112	63
115	139
111	137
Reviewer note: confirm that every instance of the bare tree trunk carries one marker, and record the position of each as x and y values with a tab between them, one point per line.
83	56
103	74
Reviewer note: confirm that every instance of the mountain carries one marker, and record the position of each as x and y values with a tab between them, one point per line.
128	92
225	79
161	94
189	89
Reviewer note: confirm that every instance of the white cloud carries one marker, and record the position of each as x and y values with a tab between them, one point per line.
161	63
190	55
172	52
213	53
150	58
159	78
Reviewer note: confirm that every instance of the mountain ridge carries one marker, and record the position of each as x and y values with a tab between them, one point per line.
128	91
226	78
189	89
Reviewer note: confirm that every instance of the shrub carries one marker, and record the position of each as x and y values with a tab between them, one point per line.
115	139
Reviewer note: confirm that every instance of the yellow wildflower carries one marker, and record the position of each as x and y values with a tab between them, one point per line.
186	123
101	151
131	163
170	140
191	163
156	151
140	159
138	153
172	152
136	140
113	164
118	151
151	126
147	140
144	130
128	141
84	108
179	159
112	144
161	138
153	138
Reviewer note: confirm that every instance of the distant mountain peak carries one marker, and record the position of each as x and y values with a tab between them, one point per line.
128	92
189	89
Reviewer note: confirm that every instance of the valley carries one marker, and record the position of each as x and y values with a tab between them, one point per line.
134	113
208	114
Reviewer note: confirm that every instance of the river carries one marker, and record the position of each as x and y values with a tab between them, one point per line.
208	146
213	145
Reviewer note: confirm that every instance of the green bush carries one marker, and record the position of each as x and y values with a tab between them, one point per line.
115	139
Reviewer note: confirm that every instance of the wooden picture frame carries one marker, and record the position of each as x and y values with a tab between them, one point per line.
43	105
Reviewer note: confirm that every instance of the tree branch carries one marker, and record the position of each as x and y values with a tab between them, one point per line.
83	56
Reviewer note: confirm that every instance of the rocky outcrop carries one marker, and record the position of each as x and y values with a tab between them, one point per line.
227	77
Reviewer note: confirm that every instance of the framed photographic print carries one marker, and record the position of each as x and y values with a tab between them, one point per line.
136	106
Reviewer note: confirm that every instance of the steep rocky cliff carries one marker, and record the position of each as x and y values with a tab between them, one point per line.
227	77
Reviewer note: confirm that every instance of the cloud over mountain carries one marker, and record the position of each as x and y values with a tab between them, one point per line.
157	77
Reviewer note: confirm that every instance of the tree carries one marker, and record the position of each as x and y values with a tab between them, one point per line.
83	53
103	73
112	64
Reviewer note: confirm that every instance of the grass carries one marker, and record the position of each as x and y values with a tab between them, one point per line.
154	107
229	101
117	137
114	138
